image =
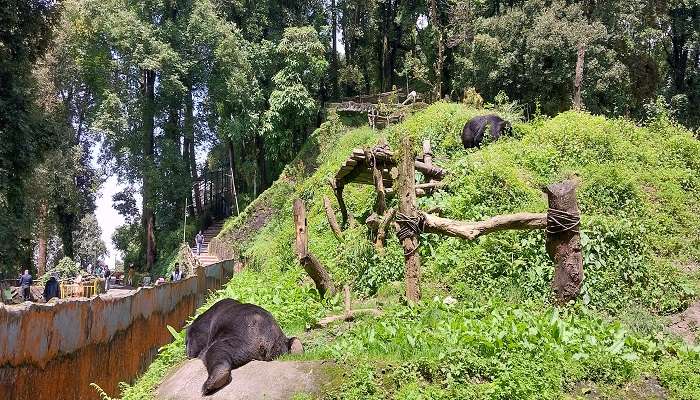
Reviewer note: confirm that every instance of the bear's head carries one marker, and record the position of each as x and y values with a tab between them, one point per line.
295	346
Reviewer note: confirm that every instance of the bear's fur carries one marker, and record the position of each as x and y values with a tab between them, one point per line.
473	132
229	335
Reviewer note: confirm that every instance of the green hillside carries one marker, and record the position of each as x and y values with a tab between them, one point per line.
503	339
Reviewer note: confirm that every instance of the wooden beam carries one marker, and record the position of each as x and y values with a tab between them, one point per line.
471	230
406	217
422	188
312	266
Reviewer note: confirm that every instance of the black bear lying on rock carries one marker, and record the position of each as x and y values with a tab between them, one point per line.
473	132
231	334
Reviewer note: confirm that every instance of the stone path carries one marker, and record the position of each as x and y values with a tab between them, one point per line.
274	380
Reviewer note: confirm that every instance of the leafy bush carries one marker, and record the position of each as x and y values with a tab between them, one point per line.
495	349
640	187
65	269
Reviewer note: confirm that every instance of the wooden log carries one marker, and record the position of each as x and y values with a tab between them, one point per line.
422	188
346	297
312	266
380	241
332	220
338	191
430	171
323	322
406	217
380	206
563	240
427	153
471	230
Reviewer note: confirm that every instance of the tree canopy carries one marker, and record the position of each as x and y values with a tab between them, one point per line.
154	87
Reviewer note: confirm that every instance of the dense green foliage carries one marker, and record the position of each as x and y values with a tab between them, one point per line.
639	192
156	84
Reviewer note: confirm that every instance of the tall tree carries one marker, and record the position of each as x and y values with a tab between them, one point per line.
25	32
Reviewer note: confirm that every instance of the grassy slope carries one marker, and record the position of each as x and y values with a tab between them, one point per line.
640	198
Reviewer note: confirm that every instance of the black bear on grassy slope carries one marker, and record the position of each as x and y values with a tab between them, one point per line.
473	132
231	334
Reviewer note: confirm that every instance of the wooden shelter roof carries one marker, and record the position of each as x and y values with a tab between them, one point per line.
357	168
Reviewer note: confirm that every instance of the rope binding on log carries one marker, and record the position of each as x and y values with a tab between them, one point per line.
560	221
408	227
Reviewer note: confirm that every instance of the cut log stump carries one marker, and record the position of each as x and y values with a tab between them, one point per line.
312	266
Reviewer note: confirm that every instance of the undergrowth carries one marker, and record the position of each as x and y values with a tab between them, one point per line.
639	195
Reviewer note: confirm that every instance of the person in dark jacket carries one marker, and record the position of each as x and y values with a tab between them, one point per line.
25	282
51	289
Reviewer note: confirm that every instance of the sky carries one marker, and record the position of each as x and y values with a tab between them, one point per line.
107	217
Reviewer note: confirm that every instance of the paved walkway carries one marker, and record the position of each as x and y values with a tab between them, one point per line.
205	258
274	380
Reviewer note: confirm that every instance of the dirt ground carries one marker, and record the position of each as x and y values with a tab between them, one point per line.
687	323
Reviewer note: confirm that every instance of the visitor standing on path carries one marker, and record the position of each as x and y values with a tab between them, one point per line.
108	274
25	282
199	239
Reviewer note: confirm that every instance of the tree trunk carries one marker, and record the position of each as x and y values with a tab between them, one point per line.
564	240
42	236
439	62
66	222
579	77
186	143
332	221
232	172
190	154
262	166
312	266
678	58
149	78
334	49
407	217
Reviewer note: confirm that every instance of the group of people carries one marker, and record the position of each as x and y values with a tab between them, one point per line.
25	282
51	288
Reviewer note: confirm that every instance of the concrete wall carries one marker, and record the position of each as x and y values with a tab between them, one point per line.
54	351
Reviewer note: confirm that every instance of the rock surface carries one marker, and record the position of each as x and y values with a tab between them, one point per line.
274	380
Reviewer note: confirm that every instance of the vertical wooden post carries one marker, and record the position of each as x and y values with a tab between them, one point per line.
313	267
378	182
346	296
579	77
563	240
338	191
407	219
428	160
